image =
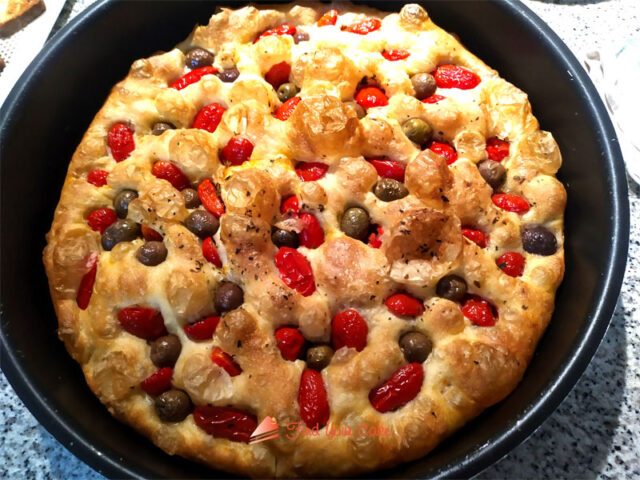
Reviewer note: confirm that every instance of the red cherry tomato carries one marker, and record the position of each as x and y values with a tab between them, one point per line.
479	311
192	77
476	236
444	150
101	218
405	305
224	360
374	238
497	150
433	99
329	18
159	382
285	110
290	342
224	422
142	322
311	171
86	284
395	54
290	206
285	29
150	234
402	387
349	329
209	117
237	151
312	399
389	169
511	263
278	74
312	235
209	198
363	27
120	140
210	253
203	329
510	203
369	97
98	177
171	173
454	76
295	271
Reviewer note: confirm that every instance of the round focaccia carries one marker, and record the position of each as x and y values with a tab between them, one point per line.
338	226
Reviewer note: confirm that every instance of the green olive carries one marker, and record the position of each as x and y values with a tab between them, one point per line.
287	91
388	190
319	357
417	130
355	223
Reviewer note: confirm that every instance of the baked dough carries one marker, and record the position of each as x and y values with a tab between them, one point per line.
470	366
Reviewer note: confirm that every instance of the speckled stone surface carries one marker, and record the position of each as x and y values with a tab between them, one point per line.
594	433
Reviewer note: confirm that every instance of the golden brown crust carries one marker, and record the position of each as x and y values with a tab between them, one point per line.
470	367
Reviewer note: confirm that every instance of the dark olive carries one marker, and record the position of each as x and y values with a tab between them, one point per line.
424	85
202	223
152	253
300	36
493	173
452	287
121	202
388	190
355	223
287	91
173	406
539	240
417	130
160	127
284	238
415	346
119	231
191	198
165	351
360	112
198	58
229	75
319	357
228	296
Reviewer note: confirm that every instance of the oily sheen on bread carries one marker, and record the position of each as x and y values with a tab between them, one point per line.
255	222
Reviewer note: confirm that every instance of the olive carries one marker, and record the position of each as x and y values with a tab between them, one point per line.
284	238
202	223
165	351
287	91
539	240
198	58
229	75
388	190
191	198
121	202
152	253
415	346
360	112
300	36
160	127
319	357
355	223
424	85
417	130
228	296
119	231
452	287
493	173
173	406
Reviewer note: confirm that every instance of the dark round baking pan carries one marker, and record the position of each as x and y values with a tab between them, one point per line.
53	103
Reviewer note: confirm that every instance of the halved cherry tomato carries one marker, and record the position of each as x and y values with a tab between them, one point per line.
224	422
444	150
284	29
209	117
210	252
349	329
98	177
311	171
290	342
236	152
203	329
405	305
389	169
497	150
395	54
312	235
479	311
209	198
374	238
86	284
290	206
295	271
278	74
101	218
369	97
402	387
159	382
510	203
224	360
312	399
363	27
476	236
171	173
511	263
433	99
150	234
285	110
120	140
454	76
142	322
329	18
192	77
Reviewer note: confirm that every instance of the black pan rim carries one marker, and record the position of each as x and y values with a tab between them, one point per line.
527	420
